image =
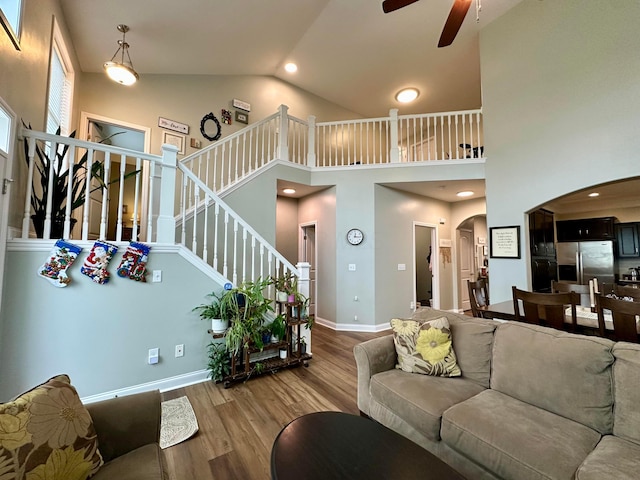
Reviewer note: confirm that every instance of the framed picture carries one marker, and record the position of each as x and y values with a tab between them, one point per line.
11	18
175	140
242	117
504	242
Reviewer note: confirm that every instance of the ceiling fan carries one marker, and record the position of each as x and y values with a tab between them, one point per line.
452	25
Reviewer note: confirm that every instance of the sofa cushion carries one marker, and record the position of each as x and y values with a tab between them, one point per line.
472	342
564	373
144	463
516	440
626	377
613	458
48	433
420	400
425	347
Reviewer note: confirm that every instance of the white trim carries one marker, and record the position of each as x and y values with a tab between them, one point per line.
352	327
59	45
435	252
164	384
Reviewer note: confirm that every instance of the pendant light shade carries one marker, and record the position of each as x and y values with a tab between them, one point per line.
121	71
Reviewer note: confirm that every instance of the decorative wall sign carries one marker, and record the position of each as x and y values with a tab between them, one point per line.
175	140
504	242
173	125
213	137
242	117
226	116
241	105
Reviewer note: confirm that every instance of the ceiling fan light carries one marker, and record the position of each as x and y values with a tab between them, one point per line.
407	95
121	73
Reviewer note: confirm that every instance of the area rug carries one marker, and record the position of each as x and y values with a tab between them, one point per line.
178	422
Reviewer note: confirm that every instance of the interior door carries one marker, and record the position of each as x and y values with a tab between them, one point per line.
465	247
7	148
309	255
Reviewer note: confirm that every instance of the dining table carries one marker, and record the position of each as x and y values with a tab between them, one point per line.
585	317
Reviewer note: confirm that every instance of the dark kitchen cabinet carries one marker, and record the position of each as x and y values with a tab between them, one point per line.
541	233
627	238
543	252
586	229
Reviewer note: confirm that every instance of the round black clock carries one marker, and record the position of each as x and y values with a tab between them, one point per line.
355	236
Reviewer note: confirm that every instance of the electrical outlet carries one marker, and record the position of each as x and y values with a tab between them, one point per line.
179	350
352	267
412	305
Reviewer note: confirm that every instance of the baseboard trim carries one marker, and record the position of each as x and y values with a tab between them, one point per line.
164	384
352	327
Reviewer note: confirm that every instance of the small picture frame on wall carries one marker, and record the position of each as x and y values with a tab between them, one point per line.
242	117
176	140
504	242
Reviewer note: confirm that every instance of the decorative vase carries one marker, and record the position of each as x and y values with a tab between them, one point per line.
219	325
281	296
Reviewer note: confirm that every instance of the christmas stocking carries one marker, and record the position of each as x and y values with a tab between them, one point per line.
134	261
61	258
95	265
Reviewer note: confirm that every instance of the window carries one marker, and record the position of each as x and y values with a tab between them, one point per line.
11	17
60	86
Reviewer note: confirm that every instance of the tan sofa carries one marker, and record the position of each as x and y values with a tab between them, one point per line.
532	402
128	431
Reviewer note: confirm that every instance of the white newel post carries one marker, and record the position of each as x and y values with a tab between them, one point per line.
304	287
311	153
166	229
283	139
394	151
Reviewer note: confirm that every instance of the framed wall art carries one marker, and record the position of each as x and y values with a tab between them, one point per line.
175	140
242	117
504	242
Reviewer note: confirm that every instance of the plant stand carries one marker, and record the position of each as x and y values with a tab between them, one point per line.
243	367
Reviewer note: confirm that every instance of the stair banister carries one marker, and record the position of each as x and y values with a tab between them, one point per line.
166	221
311	149
283	140
394	149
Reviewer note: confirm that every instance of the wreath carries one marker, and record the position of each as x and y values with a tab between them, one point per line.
205	119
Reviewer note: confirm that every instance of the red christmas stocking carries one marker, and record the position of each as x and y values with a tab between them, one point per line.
95	265
134	261
61	258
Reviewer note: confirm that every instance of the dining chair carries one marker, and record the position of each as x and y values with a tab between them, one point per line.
478	296
624	315
546	309
582	290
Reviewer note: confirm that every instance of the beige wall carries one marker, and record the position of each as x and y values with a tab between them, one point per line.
287	228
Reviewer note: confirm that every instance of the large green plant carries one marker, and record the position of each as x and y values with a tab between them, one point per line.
51	168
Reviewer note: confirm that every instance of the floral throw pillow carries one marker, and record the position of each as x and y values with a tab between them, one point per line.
425	347
46	433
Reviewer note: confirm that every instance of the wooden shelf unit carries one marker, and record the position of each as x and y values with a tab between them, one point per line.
244	368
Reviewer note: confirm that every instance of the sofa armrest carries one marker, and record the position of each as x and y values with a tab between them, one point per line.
373	356
126	423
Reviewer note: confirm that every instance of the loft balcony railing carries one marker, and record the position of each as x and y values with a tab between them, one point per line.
182	200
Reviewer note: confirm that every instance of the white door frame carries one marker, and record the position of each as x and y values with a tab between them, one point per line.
301	227
5	195
435	272
86	117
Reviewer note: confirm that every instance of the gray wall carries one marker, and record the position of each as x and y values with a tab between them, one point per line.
560	99
287	228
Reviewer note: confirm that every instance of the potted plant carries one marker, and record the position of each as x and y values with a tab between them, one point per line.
278	328
283	285
303	346
248	318
219	364
219	311
54	172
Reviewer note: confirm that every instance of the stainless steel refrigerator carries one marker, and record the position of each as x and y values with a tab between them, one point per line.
579	262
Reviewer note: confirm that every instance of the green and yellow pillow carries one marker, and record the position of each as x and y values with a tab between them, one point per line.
425	347
47	434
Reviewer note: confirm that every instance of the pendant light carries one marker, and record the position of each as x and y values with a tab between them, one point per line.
121	71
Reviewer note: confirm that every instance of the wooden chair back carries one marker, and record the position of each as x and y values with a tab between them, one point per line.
582	290
624	315
546	309
621	291
478	296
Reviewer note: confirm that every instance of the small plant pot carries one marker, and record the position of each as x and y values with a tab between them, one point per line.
218	325
274	339
282	297
283	353
303	348
266	337
291	298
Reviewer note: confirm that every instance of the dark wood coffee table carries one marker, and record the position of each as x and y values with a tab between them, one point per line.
336	445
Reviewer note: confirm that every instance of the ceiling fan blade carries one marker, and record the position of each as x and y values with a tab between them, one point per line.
454	21
391	5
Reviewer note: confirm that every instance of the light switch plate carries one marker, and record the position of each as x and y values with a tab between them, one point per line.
157	276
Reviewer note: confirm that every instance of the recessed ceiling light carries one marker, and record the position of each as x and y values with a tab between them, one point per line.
291	67
407	95
465	193
594	194
289	191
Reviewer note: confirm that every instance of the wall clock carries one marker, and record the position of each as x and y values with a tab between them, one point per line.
355	236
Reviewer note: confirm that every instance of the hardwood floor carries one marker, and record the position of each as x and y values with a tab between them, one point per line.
237	426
